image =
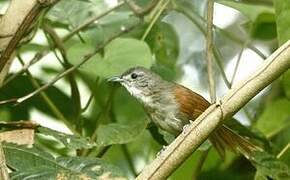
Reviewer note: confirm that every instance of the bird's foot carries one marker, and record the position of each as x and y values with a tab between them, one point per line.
161	151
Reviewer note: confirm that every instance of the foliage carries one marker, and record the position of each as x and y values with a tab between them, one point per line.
111	137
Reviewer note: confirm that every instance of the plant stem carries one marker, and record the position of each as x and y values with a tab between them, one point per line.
211	81
48	101
199	164
155	18
128	158
209	51
285	149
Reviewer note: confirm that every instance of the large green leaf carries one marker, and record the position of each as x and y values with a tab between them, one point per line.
163	41
270	167
32	163
120	55
75	12
119	133
275	116
282	9
70	141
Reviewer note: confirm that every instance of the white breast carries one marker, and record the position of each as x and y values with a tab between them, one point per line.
137	93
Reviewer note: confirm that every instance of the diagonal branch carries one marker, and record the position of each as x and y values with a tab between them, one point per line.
189	140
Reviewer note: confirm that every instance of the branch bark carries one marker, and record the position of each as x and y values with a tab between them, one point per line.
189	140
3	168
15	25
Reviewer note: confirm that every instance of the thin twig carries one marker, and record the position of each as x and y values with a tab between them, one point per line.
155	18
90	21
126	153
238	63
223	32
138	11
285	149
19	124
47	100
211	81
35	59
218	57
209	50
90	98
75	94
73	68
103	151
199	164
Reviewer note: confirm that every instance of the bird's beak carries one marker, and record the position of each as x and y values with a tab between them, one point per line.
115	79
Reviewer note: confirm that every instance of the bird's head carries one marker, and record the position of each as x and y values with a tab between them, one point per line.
139	82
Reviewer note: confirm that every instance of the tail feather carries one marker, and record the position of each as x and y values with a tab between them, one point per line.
224	138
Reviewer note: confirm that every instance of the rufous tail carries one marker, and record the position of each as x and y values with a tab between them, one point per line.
224	138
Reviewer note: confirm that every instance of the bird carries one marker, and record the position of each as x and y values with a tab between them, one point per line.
171	106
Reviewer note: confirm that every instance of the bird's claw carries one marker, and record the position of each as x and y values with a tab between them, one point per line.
186	125
161	151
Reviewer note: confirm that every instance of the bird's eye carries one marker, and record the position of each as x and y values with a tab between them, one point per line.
134	75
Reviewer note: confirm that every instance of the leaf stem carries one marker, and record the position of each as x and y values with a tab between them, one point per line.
155	18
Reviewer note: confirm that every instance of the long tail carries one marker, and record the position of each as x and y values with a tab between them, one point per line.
224	138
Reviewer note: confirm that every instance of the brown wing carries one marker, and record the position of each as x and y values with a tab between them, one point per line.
191	103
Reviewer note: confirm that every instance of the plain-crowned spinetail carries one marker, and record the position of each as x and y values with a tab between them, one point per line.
171	106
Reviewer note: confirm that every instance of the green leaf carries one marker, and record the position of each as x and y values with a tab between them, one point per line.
282	9
115	133
261	17
275	116
280	142
270	167
29	157
120	55
76	53
70	141
163	41
32	163
251	11
75	12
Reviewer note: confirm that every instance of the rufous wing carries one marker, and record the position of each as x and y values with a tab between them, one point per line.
191	103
